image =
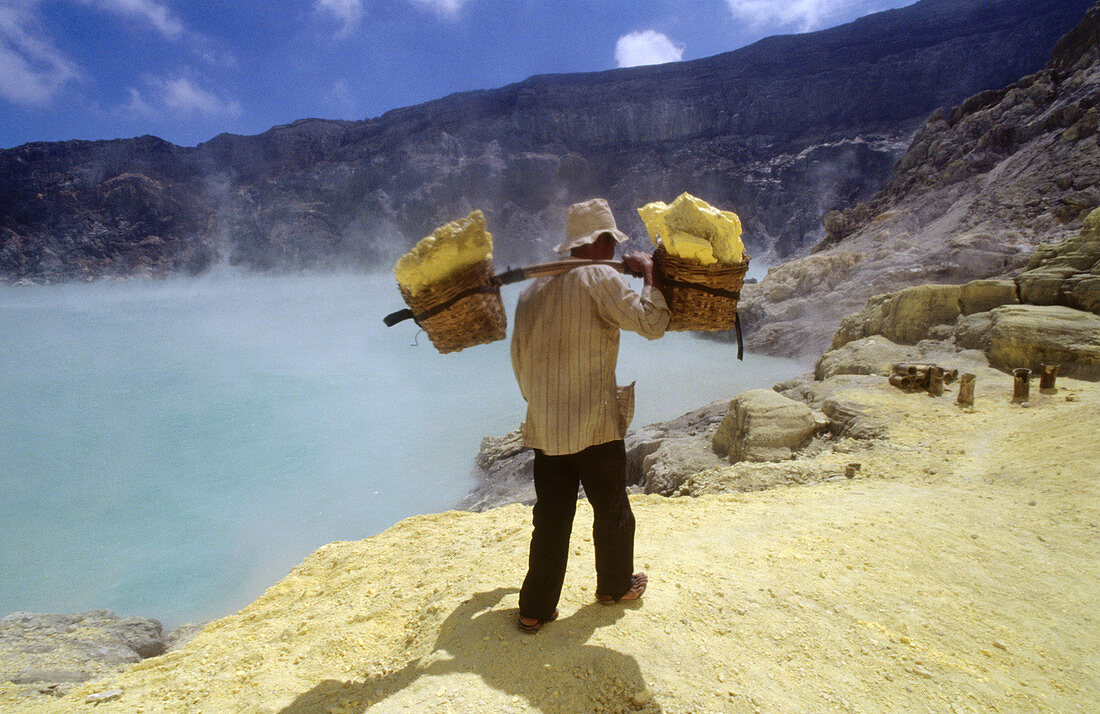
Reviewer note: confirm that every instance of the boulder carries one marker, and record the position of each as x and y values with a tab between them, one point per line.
984	295
49	653
504	467
972	331
904	317
813	392
852	414
1027	335
1068	273
763	425
496	448
507	480
870	355
675	461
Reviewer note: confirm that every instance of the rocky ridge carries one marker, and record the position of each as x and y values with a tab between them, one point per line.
980	186
781	131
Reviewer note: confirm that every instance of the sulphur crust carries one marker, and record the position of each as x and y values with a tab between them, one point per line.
692	229
450	249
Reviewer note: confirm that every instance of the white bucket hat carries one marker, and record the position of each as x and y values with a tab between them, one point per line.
585	222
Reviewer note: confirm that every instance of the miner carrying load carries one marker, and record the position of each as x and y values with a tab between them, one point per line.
564	348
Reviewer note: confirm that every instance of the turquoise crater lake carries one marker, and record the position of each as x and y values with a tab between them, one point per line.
172	448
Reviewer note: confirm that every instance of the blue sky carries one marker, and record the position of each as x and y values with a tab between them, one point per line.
187	71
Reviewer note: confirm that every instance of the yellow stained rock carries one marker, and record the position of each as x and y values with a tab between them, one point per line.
692	229
450	249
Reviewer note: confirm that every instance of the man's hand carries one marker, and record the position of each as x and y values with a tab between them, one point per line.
641	263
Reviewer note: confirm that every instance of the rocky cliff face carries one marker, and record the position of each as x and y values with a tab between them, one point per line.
981	186
781	131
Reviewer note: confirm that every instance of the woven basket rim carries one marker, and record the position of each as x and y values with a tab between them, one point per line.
681	269
440	292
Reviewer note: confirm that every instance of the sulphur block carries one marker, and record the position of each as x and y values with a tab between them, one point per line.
689	247
685	225
450	249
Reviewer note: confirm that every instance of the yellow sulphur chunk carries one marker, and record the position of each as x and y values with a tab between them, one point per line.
690	247
689	221
450	249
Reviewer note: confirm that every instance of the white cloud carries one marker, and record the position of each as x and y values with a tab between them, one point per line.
151	11
182	95
341	93
445	8
646	47
179	96
805	15
32	70
349	13
136	105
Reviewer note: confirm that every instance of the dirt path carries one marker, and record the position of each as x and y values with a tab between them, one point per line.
960	572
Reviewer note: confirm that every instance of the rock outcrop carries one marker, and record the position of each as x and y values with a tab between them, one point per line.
984	295
781	131
1032	335
979	188
1068	273
504	473
763	425
904	317
50	654
1009	335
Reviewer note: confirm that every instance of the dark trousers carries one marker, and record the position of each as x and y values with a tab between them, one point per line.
602	471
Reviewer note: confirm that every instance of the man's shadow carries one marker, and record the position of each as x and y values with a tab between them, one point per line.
554	670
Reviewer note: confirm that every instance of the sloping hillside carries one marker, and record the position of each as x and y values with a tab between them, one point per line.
958	571
981	186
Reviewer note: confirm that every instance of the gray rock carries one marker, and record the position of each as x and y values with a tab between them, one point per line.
1068	273
1028	335
814	393
504	472
869	355
972	331
48	676
675	461
50	652
182	635
851	416
763	425
508	480
495	448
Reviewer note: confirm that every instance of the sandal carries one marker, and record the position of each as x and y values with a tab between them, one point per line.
638	581
532	624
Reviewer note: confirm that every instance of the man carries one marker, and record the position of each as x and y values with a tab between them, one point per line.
564	348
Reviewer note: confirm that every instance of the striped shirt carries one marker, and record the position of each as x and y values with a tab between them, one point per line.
564	348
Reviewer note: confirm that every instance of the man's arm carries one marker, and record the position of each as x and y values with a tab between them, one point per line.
647	313
642	263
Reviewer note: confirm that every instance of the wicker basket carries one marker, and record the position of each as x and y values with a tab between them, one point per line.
462	311
699	297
